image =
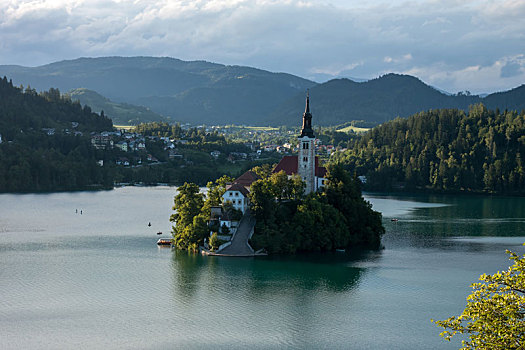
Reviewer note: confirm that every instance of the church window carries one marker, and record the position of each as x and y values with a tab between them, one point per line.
305	159
236	194
305	145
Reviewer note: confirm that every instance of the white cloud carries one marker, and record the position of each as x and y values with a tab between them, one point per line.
439	41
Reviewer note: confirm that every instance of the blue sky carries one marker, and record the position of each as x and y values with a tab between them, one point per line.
453	45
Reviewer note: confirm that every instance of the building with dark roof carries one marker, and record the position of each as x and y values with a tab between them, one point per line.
247	179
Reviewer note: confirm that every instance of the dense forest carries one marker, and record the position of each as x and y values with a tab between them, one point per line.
443	150
336	217
34	159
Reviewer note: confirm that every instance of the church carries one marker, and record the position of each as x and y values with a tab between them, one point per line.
306	164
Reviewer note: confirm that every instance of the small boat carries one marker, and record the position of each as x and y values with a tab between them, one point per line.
149	224
164	241
340	250
394	220
159	233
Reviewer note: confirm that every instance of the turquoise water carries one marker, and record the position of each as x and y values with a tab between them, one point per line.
98	281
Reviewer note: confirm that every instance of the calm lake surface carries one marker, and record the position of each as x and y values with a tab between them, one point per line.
98	280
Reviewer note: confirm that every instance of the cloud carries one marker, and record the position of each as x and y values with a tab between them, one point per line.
442	40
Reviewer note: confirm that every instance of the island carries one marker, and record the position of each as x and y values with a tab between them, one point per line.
296	206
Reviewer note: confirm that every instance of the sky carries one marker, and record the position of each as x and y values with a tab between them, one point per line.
454	45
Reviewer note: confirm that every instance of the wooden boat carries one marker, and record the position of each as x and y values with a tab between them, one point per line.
394	220
159	233
164	241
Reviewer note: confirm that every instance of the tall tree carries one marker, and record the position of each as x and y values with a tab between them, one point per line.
494	317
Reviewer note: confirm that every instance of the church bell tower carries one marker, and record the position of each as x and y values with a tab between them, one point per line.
306	158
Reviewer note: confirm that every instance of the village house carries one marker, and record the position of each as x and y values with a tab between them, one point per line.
100	141
122	145
237	192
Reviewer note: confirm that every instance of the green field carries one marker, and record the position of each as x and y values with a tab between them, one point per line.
354	129
124	127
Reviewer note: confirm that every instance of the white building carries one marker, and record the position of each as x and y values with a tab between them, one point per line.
237	194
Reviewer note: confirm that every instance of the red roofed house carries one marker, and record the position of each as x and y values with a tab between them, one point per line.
247	179
306	164
237	192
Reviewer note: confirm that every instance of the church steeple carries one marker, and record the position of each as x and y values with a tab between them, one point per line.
307	119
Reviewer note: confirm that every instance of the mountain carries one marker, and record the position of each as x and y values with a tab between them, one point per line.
195	92
200	92
120	113
383	99
377	100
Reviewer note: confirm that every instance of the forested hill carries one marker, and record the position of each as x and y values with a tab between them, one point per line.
186	91
200	92
444	150
120	113
22	111
383	99
45	143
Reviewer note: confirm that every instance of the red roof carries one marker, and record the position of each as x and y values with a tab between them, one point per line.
247	178
289	165
237	187
320	171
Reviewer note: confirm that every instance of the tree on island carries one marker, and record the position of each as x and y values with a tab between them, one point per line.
335	217
191	225
192	212
494	317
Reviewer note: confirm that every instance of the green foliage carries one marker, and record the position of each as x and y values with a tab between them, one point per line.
191	225
31	160
264	170
215	242
494	317
443	150
225	230
215	191
337	217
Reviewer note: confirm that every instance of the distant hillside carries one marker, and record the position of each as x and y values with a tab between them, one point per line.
46	142
22	112
120	113
202	92
377	100
195	92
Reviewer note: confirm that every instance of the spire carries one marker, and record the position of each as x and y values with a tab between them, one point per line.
307	110
307	119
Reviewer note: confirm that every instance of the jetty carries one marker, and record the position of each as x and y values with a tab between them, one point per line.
238	246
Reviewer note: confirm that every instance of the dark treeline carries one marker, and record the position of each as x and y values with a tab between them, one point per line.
23	110
336	217
444	150
31	160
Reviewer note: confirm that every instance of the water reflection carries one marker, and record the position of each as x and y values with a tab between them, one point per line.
187	270
257	277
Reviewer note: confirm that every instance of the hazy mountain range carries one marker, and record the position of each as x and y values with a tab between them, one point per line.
202	92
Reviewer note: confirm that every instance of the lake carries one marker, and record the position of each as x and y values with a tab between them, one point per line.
97	280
